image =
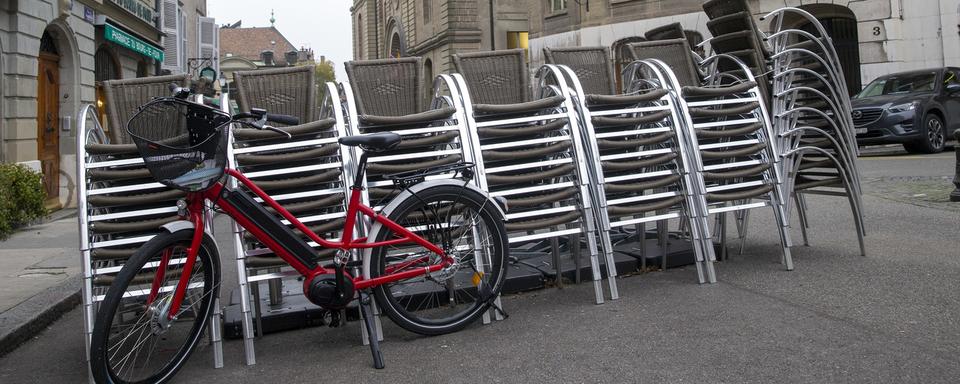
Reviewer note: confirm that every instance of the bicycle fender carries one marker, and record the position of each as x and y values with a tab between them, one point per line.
178	225
375	229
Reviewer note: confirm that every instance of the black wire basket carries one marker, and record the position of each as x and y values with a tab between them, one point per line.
183	144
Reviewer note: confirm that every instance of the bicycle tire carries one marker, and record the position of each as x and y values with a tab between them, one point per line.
408	302
130	278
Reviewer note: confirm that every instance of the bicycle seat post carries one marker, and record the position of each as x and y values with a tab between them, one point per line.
361	168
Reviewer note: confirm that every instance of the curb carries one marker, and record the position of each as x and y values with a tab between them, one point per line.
20	323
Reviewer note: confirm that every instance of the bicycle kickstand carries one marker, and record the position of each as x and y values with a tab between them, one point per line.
367	315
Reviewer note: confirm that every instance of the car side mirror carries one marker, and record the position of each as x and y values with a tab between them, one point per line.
953	88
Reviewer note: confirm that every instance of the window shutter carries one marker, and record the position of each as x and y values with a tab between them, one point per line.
170	23
209	41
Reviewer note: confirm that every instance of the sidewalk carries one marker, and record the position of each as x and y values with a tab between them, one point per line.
39	277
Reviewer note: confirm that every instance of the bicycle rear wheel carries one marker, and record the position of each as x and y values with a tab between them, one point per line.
469	228
133	339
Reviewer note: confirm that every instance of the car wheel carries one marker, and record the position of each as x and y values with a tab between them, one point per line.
932	138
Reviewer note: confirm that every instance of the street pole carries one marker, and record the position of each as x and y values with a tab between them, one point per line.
955	195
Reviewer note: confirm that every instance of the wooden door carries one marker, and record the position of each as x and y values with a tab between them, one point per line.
48	124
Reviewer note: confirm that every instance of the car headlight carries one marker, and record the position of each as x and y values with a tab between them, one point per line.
904	107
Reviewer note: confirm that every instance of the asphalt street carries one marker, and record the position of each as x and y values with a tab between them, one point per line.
890	317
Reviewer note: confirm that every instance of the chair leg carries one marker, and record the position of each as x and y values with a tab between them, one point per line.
258	320
642	240
575	252
663	232
802	215
743	221
275	287
784	231
216	339
723	236
607	247
555	250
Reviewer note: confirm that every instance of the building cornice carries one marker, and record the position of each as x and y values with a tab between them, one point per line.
446	37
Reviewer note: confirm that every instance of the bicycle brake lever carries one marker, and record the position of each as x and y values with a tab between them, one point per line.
277	130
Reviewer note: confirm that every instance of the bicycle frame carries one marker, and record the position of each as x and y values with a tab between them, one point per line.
215	193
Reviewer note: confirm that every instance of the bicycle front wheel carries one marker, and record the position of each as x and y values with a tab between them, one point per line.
469	229
134	340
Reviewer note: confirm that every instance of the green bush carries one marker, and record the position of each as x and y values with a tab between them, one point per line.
21	197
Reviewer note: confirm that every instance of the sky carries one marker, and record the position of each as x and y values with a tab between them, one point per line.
323	25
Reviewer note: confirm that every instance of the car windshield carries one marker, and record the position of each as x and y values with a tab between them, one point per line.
900	85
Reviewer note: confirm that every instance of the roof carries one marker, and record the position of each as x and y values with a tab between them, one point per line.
912	72
247	43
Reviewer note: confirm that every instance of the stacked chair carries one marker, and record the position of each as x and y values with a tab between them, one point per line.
387	95
302	173
729	136
813	118
120	207
529	151
736	34
638	162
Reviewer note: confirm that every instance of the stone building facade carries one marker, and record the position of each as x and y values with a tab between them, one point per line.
873	37
55	53
436	29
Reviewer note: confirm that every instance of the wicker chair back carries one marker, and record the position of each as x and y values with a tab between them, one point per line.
591	64
387	87
498	77
288	91
124	97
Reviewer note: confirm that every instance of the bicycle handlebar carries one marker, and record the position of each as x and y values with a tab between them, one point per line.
282	119
178	91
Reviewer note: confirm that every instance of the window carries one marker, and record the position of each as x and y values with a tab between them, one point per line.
182	32
359	54
558	5
426	10
519	39
396	49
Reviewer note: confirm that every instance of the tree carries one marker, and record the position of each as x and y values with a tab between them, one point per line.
323	72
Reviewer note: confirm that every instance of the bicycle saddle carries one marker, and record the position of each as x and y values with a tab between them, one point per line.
373	142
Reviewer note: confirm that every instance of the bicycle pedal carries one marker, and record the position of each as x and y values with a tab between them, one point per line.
335	319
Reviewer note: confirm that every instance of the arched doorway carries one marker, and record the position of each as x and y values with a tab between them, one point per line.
107	67
841	24
396	46
428	81
48	116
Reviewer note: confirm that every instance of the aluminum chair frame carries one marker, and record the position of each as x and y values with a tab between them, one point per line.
788	114
446	93
598	182
87	216
243	248
550	82
775	197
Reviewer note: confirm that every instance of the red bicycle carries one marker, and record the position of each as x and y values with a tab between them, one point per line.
434	258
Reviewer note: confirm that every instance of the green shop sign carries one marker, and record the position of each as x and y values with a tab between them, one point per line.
132	43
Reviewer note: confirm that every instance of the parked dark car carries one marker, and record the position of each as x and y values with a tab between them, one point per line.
918	109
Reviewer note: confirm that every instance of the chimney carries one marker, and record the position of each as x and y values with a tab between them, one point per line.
291	57
267	58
